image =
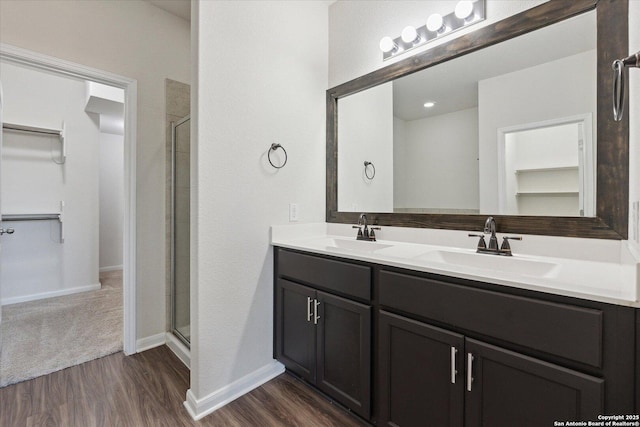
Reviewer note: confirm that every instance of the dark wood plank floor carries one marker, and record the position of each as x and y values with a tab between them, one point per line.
148	389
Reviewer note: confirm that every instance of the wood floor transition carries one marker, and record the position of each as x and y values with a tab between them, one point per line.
148	389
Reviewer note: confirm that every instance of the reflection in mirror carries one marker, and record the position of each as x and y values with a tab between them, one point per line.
365	132
458	156
533	182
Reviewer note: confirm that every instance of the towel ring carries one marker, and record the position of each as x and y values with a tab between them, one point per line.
618	89
274	147
631	61
367	163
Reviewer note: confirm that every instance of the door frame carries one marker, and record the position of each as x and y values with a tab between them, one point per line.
50	64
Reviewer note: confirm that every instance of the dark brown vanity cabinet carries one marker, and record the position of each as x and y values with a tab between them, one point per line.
507	388
421	375
322	337
429	373
441	351
553	361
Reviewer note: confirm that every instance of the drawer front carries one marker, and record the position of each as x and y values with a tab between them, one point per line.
337	276
574	333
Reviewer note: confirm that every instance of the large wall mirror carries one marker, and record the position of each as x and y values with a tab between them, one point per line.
521	130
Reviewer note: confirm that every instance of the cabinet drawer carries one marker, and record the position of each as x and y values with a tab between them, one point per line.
574	333
341	277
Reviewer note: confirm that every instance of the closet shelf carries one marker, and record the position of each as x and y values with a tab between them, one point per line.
547	193
60	133
549	169
56	216
30	217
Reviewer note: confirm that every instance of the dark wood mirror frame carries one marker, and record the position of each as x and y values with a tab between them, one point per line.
612	194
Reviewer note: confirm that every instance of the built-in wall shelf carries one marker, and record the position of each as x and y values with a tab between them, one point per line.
60	133
540	189
548	169
547	193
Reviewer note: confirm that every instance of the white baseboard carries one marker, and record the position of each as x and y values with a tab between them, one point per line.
148	343
50	294
179	349
199	408
110	268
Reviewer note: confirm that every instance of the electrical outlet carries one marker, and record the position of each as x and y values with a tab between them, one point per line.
293	212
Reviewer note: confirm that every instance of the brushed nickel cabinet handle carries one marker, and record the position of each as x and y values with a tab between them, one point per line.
454	372
469	371
316	317
309	309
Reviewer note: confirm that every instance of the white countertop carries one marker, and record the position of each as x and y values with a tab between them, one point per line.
592	269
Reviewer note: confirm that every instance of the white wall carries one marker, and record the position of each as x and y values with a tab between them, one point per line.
111	200
34	263
136	40
503	102
634	121
425	174
366	133
1	143
271	88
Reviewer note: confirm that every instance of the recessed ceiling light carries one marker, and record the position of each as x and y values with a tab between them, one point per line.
429	104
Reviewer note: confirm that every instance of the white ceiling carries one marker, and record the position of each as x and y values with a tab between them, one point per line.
181	8
453	85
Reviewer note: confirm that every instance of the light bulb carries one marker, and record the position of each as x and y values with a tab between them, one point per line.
409	34
435	23
387	44
429	104
464	9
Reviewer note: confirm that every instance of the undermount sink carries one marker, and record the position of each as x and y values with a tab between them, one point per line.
354	245
512	264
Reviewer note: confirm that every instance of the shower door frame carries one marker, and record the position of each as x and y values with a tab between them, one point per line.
172	245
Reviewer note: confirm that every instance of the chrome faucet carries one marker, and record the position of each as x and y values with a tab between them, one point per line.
364	232
490	228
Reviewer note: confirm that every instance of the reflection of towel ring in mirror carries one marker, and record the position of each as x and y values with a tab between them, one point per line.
274	147
367	163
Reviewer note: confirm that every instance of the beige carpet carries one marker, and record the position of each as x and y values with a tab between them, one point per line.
40	337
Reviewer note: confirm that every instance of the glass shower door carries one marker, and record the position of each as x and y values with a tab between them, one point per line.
180	229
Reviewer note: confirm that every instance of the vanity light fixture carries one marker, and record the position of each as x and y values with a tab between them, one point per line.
387	45
435	24
410	35
466	13
464	10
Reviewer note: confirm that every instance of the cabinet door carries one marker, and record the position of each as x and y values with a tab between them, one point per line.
510	389
421	377
344	352
295	331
